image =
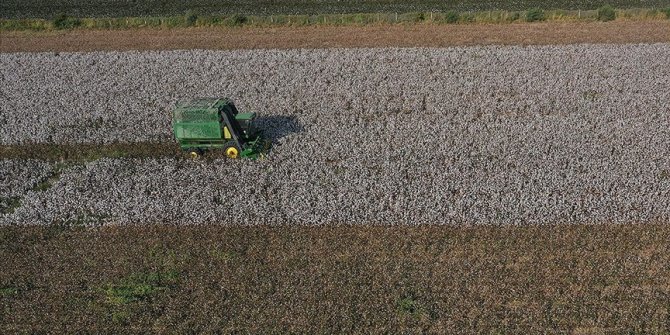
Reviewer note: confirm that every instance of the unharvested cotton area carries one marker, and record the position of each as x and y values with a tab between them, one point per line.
481	135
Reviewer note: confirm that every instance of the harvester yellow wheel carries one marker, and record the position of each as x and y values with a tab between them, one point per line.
194	154
232	152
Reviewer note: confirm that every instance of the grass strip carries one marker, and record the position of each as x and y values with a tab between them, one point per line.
194	19
118	8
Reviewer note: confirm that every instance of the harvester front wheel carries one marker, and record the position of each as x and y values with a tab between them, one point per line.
232	150
194	153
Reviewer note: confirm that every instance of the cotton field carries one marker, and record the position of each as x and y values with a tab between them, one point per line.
477	135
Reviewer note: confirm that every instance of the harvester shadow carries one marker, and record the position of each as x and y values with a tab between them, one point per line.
275	127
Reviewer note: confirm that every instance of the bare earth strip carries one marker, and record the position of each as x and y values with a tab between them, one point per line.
345	37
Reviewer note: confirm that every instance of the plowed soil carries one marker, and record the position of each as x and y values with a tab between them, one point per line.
418	35
435	280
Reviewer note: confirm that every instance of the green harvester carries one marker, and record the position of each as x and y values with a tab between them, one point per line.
214	123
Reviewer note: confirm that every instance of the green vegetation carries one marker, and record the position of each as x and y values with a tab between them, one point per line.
139	286
535	15
468	17
53	177
409	305
194	19
45	184
7	291
590	95
63	21
19	9
223	255
514	17
451	17
9	204
190	19
606	13
236	20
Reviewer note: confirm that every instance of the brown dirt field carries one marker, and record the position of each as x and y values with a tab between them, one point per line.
417	35
214	279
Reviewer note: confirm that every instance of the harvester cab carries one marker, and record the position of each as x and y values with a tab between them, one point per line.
214	123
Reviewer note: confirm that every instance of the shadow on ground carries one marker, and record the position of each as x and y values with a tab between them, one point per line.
276	127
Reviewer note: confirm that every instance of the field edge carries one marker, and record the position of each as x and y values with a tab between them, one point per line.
315	37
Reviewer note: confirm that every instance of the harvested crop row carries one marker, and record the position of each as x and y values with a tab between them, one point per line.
496	135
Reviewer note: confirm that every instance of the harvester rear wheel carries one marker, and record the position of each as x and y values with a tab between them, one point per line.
232	150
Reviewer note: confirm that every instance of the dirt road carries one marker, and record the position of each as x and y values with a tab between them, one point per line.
418	35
